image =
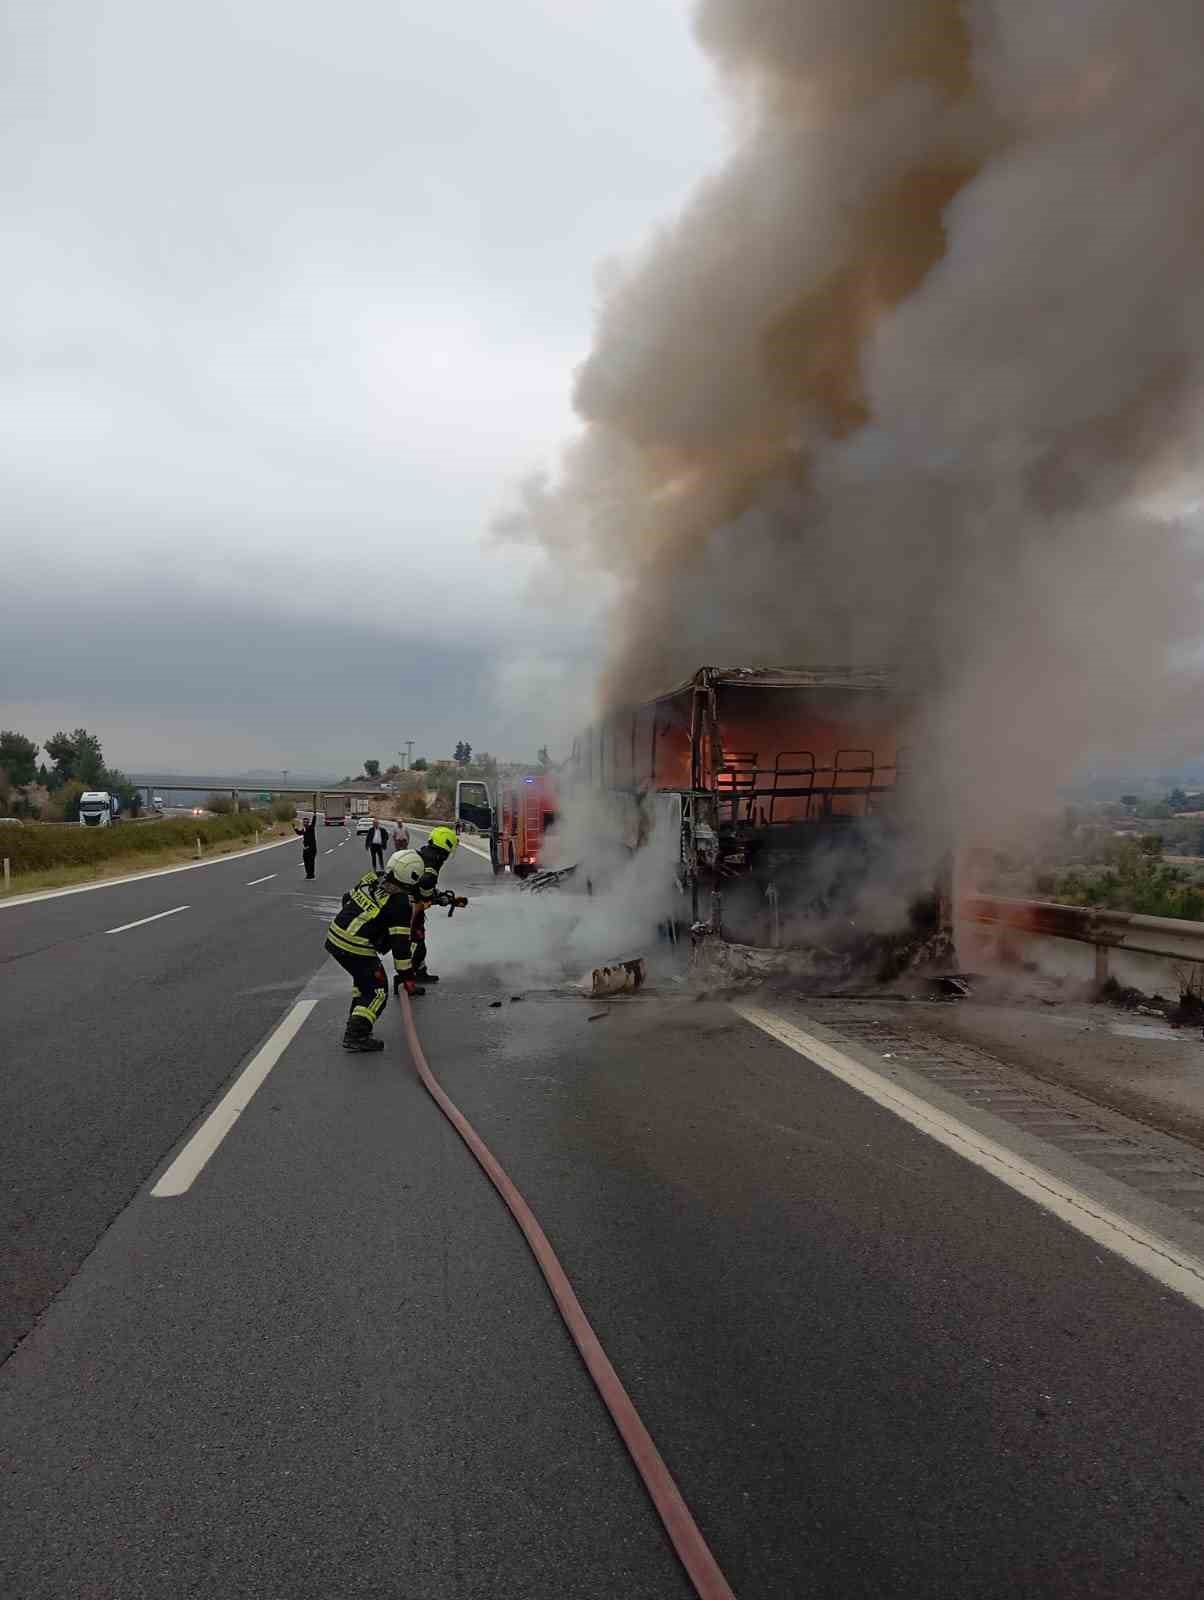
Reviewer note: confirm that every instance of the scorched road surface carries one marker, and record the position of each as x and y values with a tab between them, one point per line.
330	1367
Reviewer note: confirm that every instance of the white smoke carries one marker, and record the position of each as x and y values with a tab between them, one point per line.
915	379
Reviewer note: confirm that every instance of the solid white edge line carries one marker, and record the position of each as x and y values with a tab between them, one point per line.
464	844
137	877
182	1173
142	921
251	882
1168	1263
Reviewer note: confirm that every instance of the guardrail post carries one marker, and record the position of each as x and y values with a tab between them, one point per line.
198	847
7	875
1101	966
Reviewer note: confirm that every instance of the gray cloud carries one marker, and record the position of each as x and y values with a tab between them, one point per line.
287	296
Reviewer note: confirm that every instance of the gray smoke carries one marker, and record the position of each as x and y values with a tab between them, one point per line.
915	380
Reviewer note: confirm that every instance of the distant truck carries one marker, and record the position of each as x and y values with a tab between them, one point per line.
98	808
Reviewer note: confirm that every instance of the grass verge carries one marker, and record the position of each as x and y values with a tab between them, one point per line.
131	863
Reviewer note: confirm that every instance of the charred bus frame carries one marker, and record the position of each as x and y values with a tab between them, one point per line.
777	776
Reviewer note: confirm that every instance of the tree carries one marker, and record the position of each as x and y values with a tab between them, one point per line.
463	754
127	793
1177	800
420	765
543	757
75	755
372	769
18	757
1130	800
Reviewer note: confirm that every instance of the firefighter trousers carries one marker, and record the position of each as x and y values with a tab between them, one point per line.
418	940
371	987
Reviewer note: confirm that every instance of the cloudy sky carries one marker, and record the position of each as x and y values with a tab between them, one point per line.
291	295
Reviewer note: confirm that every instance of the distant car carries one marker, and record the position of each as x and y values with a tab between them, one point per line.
364	824
14	822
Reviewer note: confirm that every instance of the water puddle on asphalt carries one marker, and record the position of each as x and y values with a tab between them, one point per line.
1137	1030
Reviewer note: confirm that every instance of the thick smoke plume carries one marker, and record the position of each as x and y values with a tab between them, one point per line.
916	379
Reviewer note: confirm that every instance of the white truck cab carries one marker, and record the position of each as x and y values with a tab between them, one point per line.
97	808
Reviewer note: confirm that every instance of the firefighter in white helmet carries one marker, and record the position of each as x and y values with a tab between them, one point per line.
376	916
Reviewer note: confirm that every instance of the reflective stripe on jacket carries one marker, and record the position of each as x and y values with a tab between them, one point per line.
362	926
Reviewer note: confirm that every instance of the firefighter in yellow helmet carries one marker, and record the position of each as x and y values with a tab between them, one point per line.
437	850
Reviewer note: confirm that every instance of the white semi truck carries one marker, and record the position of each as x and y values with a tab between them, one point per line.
98	808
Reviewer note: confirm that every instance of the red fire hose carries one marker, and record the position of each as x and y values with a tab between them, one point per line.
701	1566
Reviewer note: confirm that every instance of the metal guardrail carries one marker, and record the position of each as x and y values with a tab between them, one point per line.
1171	938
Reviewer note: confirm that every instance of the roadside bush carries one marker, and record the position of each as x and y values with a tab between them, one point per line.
40	846
220	804
1136	880
283	811
64	804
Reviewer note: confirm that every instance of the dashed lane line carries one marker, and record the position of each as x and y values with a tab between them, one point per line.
183	1172
251	882
142	921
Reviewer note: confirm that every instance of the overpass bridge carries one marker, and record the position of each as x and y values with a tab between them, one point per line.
314	795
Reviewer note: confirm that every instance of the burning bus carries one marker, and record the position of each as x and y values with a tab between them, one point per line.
799	814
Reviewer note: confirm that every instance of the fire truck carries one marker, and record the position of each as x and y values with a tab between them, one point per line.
517	824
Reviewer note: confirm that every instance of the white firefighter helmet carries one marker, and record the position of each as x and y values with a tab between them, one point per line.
405	868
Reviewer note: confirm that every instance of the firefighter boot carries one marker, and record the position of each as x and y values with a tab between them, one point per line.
360	1038
412	988
423	976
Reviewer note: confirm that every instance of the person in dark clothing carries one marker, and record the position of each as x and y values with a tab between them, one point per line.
377	838
435	853
308	832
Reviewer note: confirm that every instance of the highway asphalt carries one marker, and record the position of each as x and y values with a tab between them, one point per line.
329	1367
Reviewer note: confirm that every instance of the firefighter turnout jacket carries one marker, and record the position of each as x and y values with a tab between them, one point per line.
372	921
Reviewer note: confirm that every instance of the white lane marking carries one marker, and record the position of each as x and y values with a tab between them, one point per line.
139	877
251	882
1169	1263
142	921
184	1170
464	844
330	852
